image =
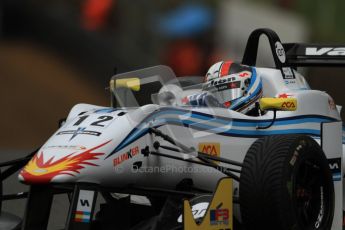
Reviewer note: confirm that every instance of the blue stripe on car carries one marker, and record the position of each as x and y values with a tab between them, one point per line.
142	128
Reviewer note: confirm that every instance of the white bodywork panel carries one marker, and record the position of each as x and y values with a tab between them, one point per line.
331	142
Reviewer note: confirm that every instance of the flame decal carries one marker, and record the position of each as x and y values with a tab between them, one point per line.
38	171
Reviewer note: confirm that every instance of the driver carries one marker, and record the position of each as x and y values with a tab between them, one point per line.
230	85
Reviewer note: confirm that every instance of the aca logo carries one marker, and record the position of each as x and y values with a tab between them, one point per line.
219	216
210	148
288	105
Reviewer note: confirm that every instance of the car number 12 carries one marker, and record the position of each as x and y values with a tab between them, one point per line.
101	121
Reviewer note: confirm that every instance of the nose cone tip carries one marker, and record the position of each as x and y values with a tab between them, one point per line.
28	178
63	178
20	178
32	174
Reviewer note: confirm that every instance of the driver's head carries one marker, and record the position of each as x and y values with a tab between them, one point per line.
234	85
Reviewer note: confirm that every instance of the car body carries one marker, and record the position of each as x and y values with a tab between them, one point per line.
89	130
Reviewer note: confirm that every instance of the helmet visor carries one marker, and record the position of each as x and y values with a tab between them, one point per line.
226	92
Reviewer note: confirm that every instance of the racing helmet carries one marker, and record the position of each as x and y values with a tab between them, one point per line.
235	86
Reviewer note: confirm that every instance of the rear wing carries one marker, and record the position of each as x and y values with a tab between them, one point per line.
315	55
293	55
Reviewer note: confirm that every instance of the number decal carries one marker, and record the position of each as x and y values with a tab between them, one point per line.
103	119
81	119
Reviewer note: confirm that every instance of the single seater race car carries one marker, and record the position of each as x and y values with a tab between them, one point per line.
151	150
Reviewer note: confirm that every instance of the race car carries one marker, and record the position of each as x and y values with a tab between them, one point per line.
166	139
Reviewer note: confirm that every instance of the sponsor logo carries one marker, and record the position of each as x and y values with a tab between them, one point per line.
82	216
280	52
227	104
220	81
322	209
334	165
106	110
284	95
288	73
185	100
78	131
332	104
231	85
198	210
73	147
289	82
126	156
219	216
294	158
210	148
288	105
222	87
83	211
244	74
330	51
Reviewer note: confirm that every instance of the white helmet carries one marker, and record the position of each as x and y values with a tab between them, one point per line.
234	85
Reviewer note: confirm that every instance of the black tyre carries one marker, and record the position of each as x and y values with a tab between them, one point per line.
286	184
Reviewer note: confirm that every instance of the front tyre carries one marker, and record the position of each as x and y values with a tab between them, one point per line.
286	184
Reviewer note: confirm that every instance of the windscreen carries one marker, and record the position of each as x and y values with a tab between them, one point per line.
135	88
154	85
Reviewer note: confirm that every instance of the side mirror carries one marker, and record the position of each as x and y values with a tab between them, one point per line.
281	104
130	83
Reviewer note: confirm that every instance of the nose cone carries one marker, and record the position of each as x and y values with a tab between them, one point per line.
44	168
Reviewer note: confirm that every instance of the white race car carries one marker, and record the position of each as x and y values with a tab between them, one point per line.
286	162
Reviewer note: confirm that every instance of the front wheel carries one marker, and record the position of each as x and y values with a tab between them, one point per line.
286	184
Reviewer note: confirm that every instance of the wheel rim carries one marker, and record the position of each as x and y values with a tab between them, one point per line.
311	195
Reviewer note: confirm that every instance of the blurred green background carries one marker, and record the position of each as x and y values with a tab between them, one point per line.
56	53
